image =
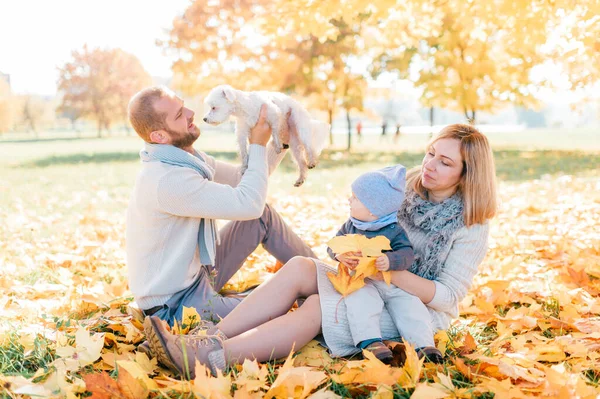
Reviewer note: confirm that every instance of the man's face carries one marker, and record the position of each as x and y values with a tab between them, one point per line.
179	121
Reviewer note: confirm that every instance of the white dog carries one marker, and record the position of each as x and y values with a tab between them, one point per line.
306	146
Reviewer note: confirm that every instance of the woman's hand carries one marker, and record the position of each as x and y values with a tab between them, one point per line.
348	260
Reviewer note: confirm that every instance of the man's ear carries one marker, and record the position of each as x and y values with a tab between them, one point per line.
159	137
229	93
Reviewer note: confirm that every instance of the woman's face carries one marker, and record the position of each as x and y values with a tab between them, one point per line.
442	166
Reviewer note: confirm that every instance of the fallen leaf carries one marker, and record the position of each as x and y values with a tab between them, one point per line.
343	282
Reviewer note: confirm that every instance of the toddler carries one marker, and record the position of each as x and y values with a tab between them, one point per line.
376	198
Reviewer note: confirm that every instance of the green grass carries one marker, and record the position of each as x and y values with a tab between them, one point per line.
71	169
70	177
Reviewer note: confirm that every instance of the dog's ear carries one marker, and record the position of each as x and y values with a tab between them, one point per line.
229	94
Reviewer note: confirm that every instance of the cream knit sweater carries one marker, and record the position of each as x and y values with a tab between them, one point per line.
164	216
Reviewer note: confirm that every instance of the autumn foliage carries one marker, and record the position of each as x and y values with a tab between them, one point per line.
97	84
528	327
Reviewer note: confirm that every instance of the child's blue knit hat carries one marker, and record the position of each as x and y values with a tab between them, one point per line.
381	191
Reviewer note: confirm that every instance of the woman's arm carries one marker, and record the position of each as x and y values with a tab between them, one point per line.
415	285
456	277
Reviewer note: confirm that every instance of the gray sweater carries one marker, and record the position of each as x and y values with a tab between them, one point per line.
401	255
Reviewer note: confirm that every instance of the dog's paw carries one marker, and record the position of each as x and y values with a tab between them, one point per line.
285	146
312	165
299	182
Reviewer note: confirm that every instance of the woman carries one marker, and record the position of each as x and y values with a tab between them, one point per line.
449	200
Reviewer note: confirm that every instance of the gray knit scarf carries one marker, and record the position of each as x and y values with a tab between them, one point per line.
208	236
439	222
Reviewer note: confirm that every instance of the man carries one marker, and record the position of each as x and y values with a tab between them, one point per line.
175	256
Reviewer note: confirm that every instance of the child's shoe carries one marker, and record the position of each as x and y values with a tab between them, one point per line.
431	354
381	351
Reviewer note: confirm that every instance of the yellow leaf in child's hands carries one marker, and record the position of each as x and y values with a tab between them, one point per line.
373	246
343	282
387	277
366	267
343	244
359	243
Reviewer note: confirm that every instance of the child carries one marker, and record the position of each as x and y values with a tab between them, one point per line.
376	198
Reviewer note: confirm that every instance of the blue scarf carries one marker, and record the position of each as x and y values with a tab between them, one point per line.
375	224
207	233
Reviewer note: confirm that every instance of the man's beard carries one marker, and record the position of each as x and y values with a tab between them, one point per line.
183	140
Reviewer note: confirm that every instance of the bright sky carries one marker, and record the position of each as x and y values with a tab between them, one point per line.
37	36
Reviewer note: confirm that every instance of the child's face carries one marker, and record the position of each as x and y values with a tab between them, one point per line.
359	211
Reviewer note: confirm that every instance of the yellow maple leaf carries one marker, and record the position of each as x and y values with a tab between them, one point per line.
252	377
313	355
359	243
366	267
343	282
426	391
295	382
86	351
137	372
209	387
411	370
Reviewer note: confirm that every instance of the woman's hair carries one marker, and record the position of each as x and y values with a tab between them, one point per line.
477	183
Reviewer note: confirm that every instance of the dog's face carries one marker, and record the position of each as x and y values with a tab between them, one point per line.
221	104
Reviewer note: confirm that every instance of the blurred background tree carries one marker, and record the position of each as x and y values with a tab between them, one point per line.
97	84
6	111
471	57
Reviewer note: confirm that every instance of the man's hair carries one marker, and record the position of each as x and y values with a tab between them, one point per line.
143	115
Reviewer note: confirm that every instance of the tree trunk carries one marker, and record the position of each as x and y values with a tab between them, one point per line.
470	118
349	129
330	114
431	119
99	129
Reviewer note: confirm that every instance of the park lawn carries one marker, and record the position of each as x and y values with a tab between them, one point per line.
528	325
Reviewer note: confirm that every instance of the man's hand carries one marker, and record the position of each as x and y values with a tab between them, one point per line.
261	132
347	260
382	263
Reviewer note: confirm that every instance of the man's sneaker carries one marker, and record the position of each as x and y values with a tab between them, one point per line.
381	351
431	354
180	352
208	328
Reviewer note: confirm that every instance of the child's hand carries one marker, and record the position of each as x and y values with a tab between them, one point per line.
347	261
382	263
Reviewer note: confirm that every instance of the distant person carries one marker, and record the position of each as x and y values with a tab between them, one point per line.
383	129
359	131
397	134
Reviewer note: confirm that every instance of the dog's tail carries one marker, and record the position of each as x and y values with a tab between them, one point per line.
320	133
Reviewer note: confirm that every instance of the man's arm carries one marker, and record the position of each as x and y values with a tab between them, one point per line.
184	192
226	173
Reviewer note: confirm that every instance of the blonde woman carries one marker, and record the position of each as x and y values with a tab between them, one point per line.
449	201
